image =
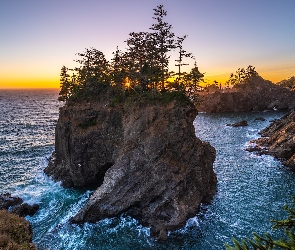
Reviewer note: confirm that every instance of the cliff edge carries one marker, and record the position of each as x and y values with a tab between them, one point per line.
145	159
278	140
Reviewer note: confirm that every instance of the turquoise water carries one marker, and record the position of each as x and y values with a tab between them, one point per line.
251	189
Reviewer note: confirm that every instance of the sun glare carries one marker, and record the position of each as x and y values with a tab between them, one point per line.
127	83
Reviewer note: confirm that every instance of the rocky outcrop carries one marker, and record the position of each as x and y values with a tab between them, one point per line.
6	201
255	95
278	140
16	205
15	231
145	159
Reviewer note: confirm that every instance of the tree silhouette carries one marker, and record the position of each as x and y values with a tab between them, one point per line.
164	42
93	73
181	54
242	76
192	82
65	84
142	67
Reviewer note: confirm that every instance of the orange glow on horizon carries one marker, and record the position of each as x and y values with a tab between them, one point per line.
29	84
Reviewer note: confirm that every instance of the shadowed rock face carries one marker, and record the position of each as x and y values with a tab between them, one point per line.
256	95
147	159
278	140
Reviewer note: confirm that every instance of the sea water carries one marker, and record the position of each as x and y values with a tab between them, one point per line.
252	189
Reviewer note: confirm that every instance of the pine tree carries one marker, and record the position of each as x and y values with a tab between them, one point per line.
65	84
164	42
192	82
93	73
266	242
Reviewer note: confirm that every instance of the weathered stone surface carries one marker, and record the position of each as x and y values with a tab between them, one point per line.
278	140
146	160
256	95
24	209
16	205
87	139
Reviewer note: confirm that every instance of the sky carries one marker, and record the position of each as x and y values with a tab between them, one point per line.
38	37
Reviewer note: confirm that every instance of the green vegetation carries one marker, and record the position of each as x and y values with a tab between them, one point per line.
142	71
15	232
266	242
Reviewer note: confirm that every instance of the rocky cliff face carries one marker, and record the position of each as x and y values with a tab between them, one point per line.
256	95
278	140
145	159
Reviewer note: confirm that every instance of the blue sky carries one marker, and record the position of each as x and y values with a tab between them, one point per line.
39	37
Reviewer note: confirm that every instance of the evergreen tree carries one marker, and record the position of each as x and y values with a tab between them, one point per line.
192	82
164	42
65	84
138	52
93	73
266	242
181	54
118	69
242	75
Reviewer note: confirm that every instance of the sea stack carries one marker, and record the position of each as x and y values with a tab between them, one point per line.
144	158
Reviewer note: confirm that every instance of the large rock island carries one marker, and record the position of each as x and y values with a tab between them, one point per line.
144	158
256	94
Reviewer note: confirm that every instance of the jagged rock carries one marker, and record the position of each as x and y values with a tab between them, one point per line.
242	123
278	140
24	209
145	158
17	206
6	201
256	95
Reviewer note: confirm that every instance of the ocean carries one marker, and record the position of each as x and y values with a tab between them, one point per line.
252	189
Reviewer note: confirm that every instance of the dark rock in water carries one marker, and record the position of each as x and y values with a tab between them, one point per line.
259	119
256	95
238	124
6	201
145	158
17	206
278	140
25	209
15	232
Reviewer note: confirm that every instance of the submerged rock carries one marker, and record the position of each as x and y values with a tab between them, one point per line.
145	159
278	140
259	119
242	123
